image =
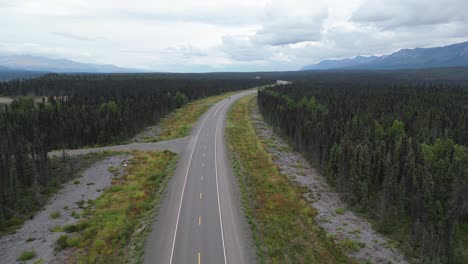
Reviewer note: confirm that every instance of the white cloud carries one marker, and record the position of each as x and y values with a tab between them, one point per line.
189	35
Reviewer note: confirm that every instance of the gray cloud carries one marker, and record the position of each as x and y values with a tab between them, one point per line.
394	14
291	22
282	24
288	33
241	48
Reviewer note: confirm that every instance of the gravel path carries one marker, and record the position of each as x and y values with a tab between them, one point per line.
345	225
38	230
175	145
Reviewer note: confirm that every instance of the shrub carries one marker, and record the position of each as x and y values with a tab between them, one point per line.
62	242
26	255
80	203
54	215
340	211
75	215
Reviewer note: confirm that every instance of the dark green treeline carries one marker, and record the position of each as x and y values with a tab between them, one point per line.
397	152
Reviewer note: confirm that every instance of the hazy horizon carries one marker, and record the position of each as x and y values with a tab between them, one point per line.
193	36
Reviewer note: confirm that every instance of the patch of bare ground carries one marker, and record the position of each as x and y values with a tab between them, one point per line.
40	233
149	133
352	231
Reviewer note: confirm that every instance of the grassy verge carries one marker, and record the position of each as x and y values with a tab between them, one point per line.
283	225
61	170
114	226
179	123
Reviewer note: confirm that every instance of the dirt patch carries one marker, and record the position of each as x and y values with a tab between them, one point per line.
351	230
40	233
6	100
148	134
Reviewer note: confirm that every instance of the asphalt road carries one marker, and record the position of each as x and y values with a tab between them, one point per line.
200	219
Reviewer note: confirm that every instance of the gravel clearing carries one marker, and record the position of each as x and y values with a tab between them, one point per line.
175	145
36	233
332	215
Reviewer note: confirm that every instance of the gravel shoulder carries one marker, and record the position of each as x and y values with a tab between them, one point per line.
36	234
332	216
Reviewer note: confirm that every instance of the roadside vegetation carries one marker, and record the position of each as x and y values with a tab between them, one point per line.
179	123
114	225
34	198
282	223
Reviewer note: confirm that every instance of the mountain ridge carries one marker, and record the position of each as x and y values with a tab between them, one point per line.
454	55
43	64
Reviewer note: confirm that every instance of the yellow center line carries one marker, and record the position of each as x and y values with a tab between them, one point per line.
199	258
199	220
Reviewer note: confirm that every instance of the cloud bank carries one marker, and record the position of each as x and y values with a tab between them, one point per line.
225	35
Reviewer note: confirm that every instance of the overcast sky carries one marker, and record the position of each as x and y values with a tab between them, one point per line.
225	35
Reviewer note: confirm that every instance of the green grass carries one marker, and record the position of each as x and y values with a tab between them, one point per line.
26	255
179	123
115	170
107	228
351	245
283	225
56	229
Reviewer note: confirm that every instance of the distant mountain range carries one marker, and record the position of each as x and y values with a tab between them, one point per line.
449	56
42	64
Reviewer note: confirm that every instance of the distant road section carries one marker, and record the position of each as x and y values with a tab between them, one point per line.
201	218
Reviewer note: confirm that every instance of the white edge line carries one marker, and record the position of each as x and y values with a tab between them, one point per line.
217	190
225	101
185	181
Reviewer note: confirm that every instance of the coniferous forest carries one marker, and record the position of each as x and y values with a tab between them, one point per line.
71	111
395	150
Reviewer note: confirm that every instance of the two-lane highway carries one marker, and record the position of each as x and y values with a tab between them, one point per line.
200	219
